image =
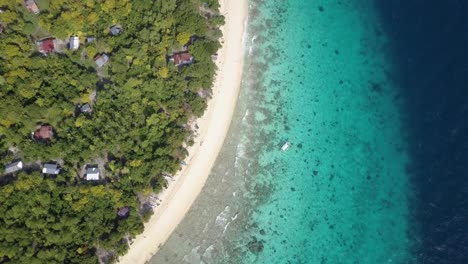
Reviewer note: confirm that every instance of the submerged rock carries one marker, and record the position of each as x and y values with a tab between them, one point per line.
255	246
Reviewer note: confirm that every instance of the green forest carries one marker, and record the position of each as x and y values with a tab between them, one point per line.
135	131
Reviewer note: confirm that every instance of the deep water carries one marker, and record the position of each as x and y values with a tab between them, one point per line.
429	42
372	96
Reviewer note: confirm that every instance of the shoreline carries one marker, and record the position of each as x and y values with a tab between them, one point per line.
213	127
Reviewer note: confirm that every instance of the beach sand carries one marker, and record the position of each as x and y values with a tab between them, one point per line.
213	127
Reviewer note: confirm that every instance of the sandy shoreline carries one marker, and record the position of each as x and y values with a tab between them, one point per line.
213	127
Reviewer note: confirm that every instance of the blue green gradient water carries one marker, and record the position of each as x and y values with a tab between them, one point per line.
317	75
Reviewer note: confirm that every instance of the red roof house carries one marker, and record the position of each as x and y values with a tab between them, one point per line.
182	58
46	46
44	132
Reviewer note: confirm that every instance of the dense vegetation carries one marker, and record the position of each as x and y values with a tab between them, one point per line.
137	131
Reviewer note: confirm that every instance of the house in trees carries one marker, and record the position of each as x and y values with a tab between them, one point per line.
92	173
115	30
51	168
90	39
74	43
46	46
31	6
44	132
101	60
86	109
123	212
182	58
13	167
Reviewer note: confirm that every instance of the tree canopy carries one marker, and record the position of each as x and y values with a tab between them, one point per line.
137	131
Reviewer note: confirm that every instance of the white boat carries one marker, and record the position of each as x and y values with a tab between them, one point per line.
285	146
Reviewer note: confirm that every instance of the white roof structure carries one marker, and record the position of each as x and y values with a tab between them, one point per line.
92	174
74	43
50	168
14	166
115	30
86	108
90	39
101	60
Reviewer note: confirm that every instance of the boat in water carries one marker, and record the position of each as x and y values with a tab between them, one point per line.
285	146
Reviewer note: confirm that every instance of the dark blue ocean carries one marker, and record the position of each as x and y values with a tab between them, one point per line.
429	48
373	96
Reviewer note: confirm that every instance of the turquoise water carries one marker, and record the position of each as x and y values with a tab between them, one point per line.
317	74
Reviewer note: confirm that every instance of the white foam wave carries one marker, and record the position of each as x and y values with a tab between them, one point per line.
223	217
234	217
246	114
209	253
206	228
253	39
194	256
225	227
241	151
252	44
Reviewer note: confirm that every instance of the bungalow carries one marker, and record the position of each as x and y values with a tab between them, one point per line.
101	60
31	6
90	39
50	168
46	45
13	167
74	43
92	173
182	58
123	212
43	132
86	108
115	30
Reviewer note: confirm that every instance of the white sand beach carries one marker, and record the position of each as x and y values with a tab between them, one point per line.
213	127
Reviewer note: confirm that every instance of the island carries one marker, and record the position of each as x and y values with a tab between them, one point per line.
99	106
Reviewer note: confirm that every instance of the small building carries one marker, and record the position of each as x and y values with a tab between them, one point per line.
123	212
50	168
90	39
74	43
86	108
182	58
92	173
13	167
31	6
115	30
43	132
101	60
46	45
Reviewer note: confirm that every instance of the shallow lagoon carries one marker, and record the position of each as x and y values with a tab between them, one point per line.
316	74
